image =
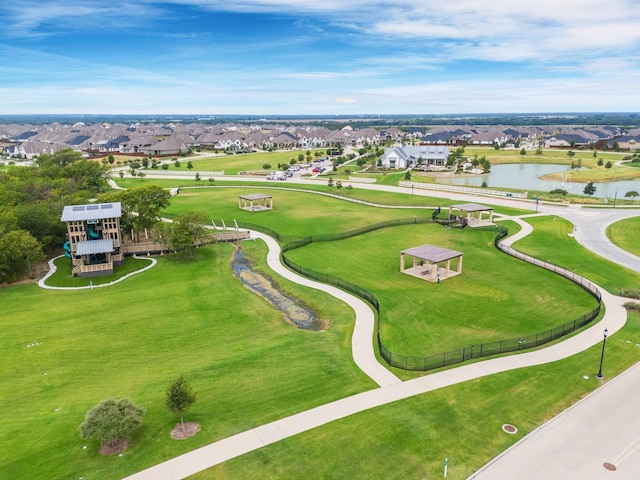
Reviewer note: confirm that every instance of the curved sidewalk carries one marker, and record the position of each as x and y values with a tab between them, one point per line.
390	391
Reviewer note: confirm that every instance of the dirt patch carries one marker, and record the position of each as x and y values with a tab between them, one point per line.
120	446
189	429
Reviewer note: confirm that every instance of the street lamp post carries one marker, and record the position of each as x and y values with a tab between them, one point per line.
614	199
604	340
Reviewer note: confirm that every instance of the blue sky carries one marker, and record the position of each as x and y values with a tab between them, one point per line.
319	56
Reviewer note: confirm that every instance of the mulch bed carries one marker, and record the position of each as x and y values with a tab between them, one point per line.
189	429
120	446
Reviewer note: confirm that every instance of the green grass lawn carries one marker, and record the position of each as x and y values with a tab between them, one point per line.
411	438
63	278
233	164
496	297
226	197
250	367
550	241
294	213
132	339
626	234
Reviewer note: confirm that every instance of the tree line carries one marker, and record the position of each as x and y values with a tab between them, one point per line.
32	200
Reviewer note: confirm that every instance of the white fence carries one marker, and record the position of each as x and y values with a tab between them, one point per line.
183	173
457	188
362	179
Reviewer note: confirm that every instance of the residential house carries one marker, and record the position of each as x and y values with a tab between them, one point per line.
410	156
626	142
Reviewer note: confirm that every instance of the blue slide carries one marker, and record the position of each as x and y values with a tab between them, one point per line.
67	249
91	230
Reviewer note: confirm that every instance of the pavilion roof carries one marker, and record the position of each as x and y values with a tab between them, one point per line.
432	253
255	196
471	207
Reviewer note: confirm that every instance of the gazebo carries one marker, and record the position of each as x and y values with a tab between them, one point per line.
431	263
255	202
473	213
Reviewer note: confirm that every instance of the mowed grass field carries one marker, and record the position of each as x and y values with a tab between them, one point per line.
411	438
234	164
497	297
297	209
550	241
132	339
294	213
625	234
249	367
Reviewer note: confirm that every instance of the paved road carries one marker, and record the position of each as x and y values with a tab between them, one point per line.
602	428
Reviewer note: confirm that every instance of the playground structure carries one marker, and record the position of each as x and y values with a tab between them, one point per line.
94	238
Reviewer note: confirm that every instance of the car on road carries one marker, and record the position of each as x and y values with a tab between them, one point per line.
277	176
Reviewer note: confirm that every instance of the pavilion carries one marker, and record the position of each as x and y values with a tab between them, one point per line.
473	213
431	263
255	202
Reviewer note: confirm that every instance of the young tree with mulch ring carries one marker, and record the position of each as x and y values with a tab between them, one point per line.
180	396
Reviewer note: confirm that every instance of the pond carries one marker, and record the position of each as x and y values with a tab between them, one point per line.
525	176
292	308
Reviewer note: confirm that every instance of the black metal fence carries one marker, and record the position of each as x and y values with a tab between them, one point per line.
408	362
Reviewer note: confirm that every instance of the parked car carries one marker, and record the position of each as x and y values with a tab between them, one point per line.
316	170
273	176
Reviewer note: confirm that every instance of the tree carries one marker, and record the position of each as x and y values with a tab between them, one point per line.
198	178
189	164
110	420
266	166
589	189
523	151
608	164
330	182
88	175
183	234
558	191
19	251
571	153
600	162
407	175
110	159
632	194
180	396
146	201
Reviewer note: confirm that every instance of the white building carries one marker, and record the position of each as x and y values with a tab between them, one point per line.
409	156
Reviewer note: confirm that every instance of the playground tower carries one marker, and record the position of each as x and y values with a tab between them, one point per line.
94	235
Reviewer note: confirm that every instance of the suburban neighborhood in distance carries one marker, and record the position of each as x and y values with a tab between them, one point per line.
24	140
